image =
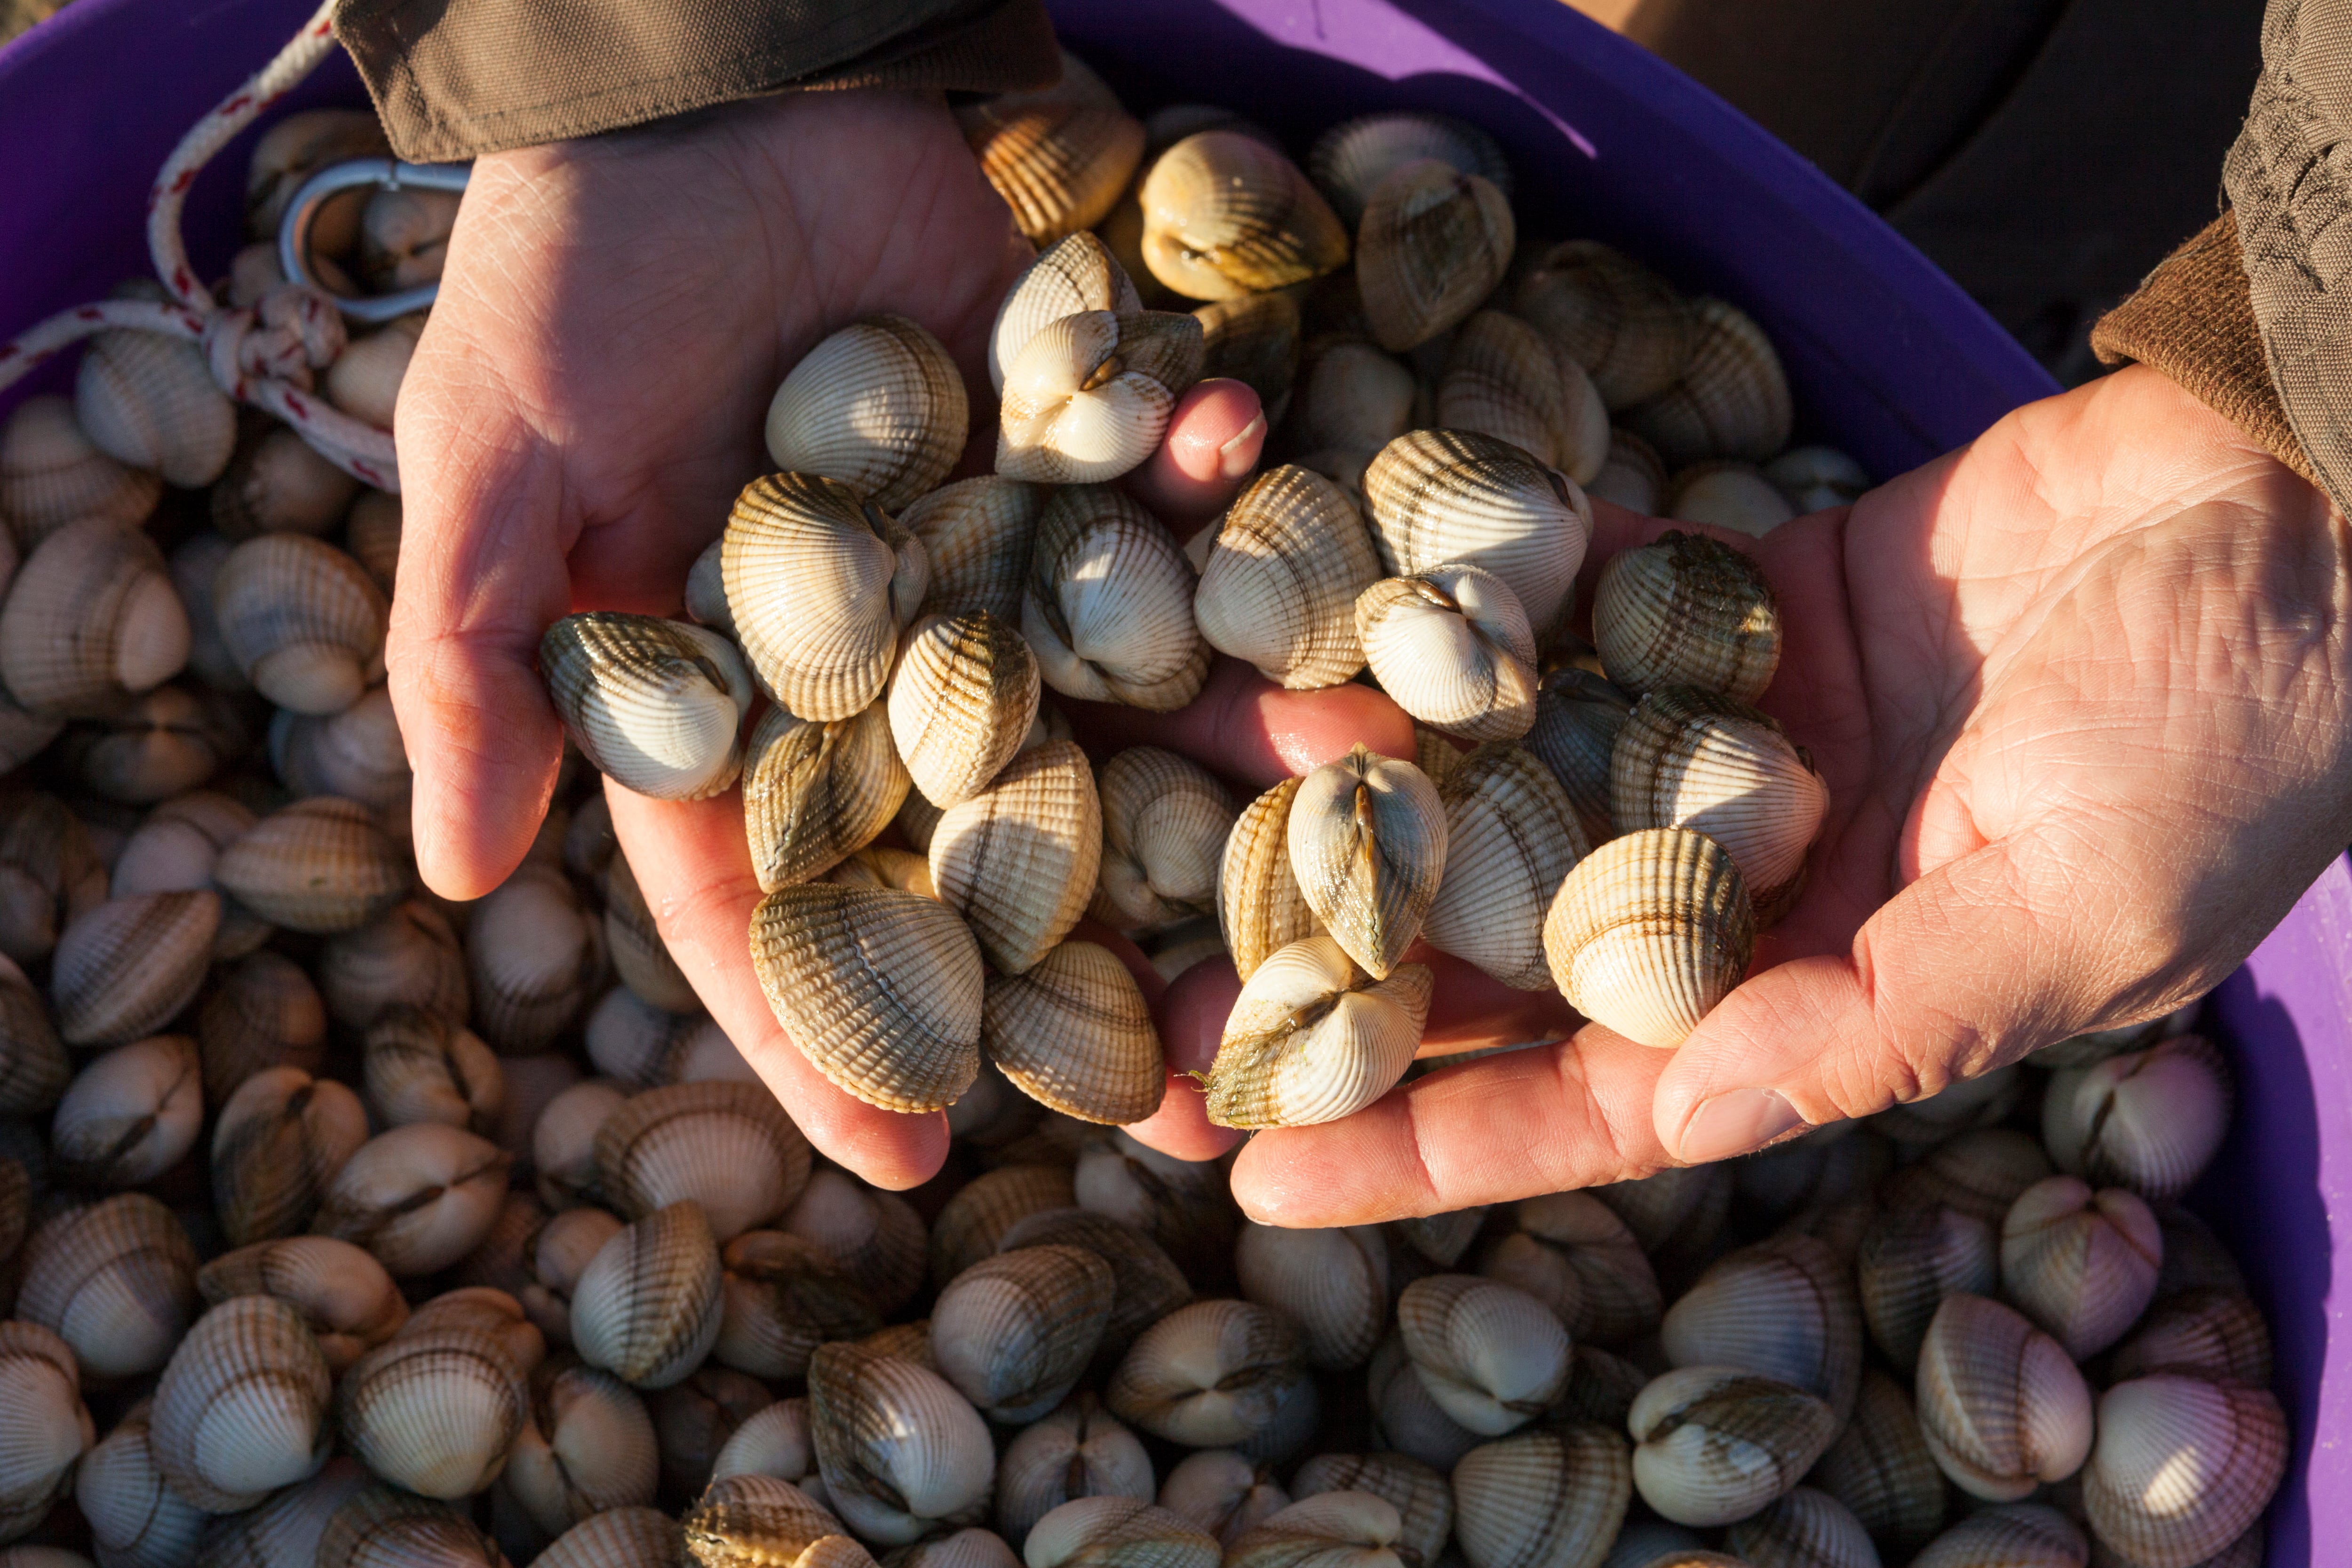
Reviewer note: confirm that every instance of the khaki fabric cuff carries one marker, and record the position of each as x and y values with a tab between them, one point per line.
2193	319
453	79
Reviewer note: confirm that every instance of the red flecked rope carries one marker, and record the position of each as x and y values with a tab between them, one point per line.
268	355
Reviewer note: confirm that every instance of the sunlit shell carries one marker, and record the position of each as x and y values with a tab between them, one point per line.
1549	1497
819	583
1440	497
343	1294
1260	907
303	621
2218	1334
1431	245
1165	821
1019	859
976	533
1453	647
1291	554
1730	398
1119	1532
1089	396
92	617
900	1451
1073	1032
241	1408
1071	276
1334	1284
1313	1037
1570	1251
1368	845
1503	378
1713	1445
878	405
1623	323
815	791
1350	159
419	1197
1491	1355
657	705
1059	156
2000	1404
728	1146
1108	606
1688	759
1687	611
321	865
1511	836
433	1409
129	1115
2182	1468
1724	493
1225	214
1213	1373
50	474
149	401
2150	1120
1649	932
744	1520
960	702
2081	1264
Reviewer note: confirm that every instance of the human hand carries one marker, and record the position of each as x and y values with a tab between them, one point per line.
580	414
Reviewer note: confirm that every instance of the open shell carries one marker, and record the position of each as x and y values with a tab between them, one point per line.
657	705
1073	1032
1687	611
878	405
1368	845
1225	214
1649	932
961	701
819	581
1280	586
1313	1037
1455	497
1108	606
1453	646
1431	245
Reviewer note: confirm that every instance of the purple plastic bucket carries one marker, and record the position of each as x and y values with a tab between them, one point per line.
1888	359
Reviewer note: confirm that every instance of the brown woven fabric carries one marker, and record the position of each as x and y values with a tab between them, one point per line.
455	78
2193	319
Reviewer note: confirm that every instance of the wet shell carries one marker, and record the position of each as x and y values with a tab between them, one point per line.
321	865
977	533
985	1208
2150	1120
278	1144
1570	1251
50	874
357	753
50	474
782	1298
1728	494
647	1307
531	956
1313	1037
1492	1357
408	954
381	1527
1440	497
1281	580
115	1279
1503	378
129	1115
1117	1533
1782	1308
1220	1491
1073	1032
135	1520
1713	1445
900	1451
1980	1174
1070	276
2183	1468
1631	475
434	1410
1014	1333
1649	932
2081	1264
1687	611
746	1520
1453	647
1807	1528
1225	214
588	1447
880	989
1621	322
2000	1404
1059	156
1108	606
1688	759
419	1197
655	705
878	405
1334	1284
728	1146
92	617
1020	859
279	484
342	1293
241	1408
961	701
1077	1451
2218	1334
1368	845
1911	1257
302	621
1146	1283
149	401
1350	159
617	1538
2015	1535
1260	907
816	792
1542	1497
1432	244
1730	399
1089	396
1215	1373
819	583
1880	1469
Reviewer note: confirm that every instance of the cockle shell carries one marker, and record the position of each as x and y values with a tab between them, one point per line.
1334	1284
115	1279
1421	1496
487	1311
900	1450
302	621
1547	1496
1440	497
1688	759
1368	845
1623	323
1350	398
2013	1535
1726	494
2000	1404
34	1071
972	1222
49	1427
1078	1450
1089	396
1503	378
419	1197
1326	1531
149	401
562	1248
50	474
1071	276
129	1115
2183	1468
356	754
1146	1283
1253	340
1108	606
881	990
1491	1355
1601	1387
771	1441
1213	1373
408	954
371	534
1349	161
419	1068
1880	1471
1631	475
1282	579
1073	1032
631	1040
50	874
2150	1120
695	1419
321	865
1570	1251
1807	1526
1980	1174
817	791
1649	932
1182	1205
1713	1444
1433	243
633	939
364	380
384	1527
155	745
657	705
728	1146
532	955
1019	859
1059	156
1783	1308
819	581
782	1298
1165	822
617	1538
1225	214
1221	1493
136	1521
1511	836
277	483
91	618
241	1408
883	867
960	702
1687	611
2081	1264
1014	1333
1410	1421
1453	647
1260	907
350	1304
976	533
647	1307
263	1012
279	1144
284	1532
878	405
433	1409
1910	1258
1313	1037
1730	398
754	1521
876	1236
1117	1533
2216	1334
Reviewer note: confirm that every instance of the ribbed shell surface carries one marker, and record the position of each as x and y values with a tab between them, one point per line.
149	401
656	704
1649	932
1079	1450
277	1145
880	989
135	1520
241	1408
303	621
1073	274
2002	1405
1211	1375
1253	340
1368	846
2081	1265
1020	859
2216	1334
1420	1494
1440	497
1059	157
753	1521
1261	908
419	1197
1782	1308
976	534
92	617
1351	158
356	754
319	864
1503	378
1570	1249
972	1224
1806	1527
2150	1120
343	1294
728	1146
434	1410
1332	1282
1542	1499
1165	822
781	1298
816	792
1089	396
50	474
1146	1283
383	1527
1511	838
530	954
1014	1333
284	1531
1687	611
1910	1258
819	581
874	1235
1119	1532
115	1279
2183	1468
1225	214
1631	475
1312	1037
1491	1355
129	1116
1688	758
407	955
1108	606
618	1537
2014	1535
1730	400
647	1307
961	700
878	405
1279	589
900	1451
1713	1445
1432	244
1880	1469
1073	1032
1625	324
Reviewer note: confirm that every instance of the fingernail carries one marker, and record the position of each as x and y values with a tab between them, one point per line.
1238	456
1739	1122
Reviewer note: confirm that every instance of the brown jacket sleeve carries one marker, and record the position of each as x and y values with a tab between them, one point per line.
455	78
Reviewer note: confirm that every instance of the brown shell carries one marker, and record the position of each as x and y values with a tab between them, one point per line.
1649	932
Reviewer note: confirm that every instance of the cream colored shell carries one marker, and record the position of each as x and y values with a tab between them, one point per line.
1649	932
878	405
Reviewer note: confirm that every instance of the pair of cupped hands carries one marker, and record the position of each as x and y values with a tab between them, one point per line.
2079	689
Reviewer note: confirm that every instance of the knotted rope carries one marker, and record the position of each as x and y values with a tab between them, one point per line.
268	355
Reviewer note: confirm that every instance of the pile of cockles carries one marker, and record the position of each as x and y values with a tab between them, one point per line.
346	1226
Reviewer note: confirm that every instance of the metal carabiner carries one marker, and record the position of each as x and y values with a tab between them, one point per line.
294	231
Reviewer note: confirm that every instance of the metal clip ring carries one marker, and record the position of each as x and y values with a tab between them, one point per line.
294	232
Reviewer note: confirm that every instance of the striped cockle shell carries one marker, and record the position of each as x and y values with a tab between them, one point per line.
1625	324
50	874
1491	1355
1220	1491
902	1454
880	989
1071	276
2081	1264
1146	1283
136	1520
1440	497
657	705
1212	1374
419	1197
1327	1531
50	474
1313	1037
278	1146
564	1168
560	1250
1420	1495
284	1532
1225	214
2150	1120
1089	396
277	483
1119	1532
781	1297
1440	1238
1014	1333
1880	1469
1078	1450
1687	611
1349	161
1807	1526
407	955
1601	1389
648	1305
154	746
371	534
2218	1334
874	866
1108	606
728	1146
1730	398
1451	644
1433	243
1979	1173
116	1279
433	1409
765	1522
149	401
1280	586
1073	1032
1631	475
632	1537
350	1304
1019	859
91	618
1726	493
485	1310
976	533
384	1527
302	621
1368	845
772	1441
1713	1445
1783	1308
1649	932
960	702
972	1222
2182	1468
1253	339
1351	398
639	1044
321	865
815	791
532	956
878	405
33	1070
2013	1535
1261	908
131	1114
1333	1283
876	1236
1165	822
1410	1421
1816	478
241	1408
1059	155
1182	1205
49	1427
587	1448
1910	1258
356	754
820	581
1689	759
1546	1496
1503	378
2000	1404
420	1068
1570	1251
